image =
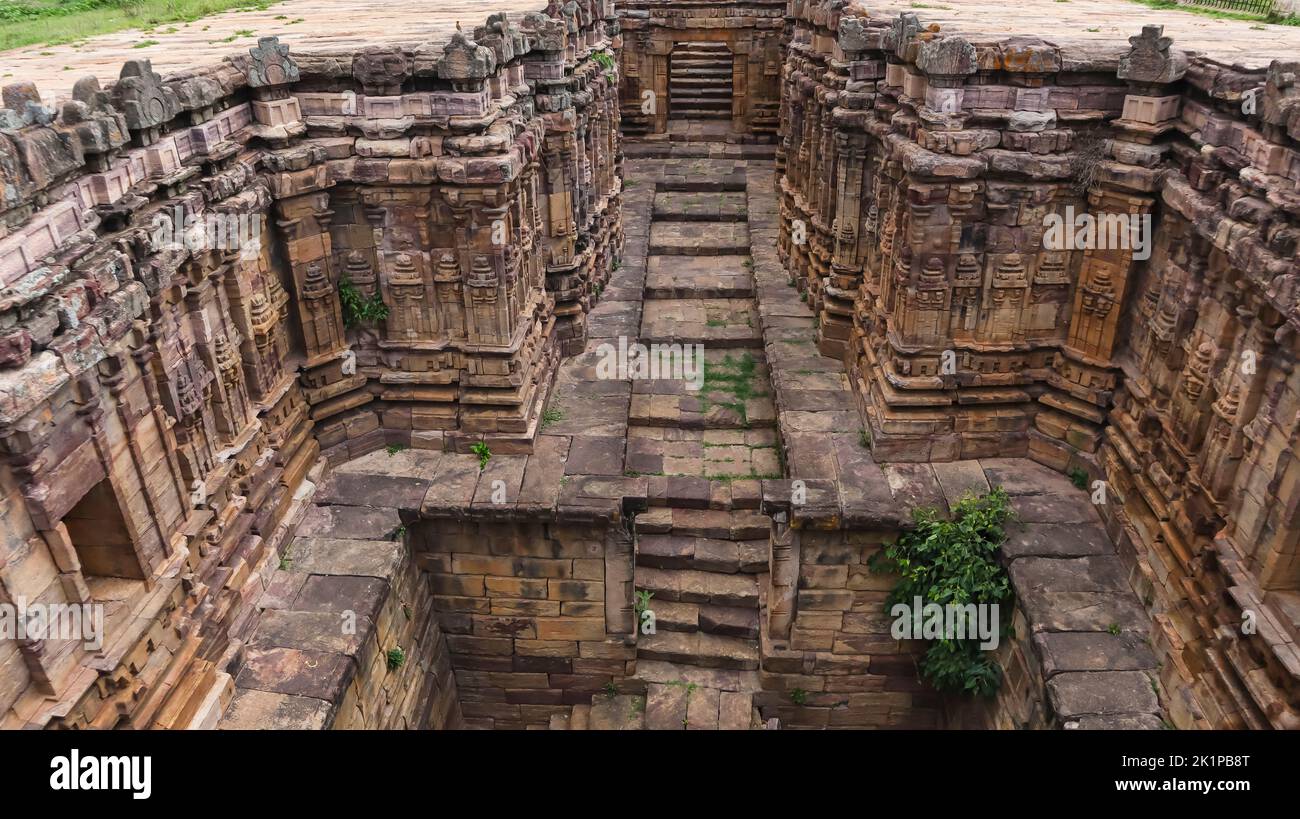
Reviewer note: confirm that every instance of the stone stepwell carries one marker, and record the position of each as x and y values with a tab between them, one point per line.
568	371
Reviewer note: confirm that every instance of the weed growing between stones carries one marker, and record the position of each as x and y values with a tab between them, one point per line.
642	602
357	309
396	658
484	454
1079	478
954	562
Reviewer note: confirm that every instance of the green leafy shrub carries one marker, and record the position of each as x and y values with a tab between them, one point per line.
954	562
358	309
1079	478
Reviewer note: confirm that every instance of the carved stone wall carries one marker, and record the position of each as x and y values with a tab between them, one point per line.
209	281
751	30
923	174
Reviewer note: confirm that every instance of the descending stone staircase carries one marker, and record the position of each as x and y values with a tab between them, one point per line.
702	549
699	81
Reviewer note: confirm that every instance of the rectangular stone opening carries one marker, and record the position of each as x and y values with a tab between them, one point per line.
100	535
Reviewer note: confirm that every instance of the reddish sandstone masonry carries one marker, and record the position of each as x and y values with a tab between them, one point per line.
922	161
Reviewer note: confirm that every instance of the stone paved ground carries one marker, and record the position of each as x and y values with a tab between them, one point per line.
1105	26
324	25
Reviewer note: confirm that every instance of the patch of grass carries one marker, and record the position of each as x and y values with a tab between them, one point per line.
734	378
393	449
145	44
798	696
1113	628
1276	18
56	22
752	475
551	415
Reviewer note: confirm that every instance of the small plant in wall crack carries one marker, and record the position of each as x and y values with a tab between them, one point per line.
642	603
484	454
357	309
1079	478
396	658
798	696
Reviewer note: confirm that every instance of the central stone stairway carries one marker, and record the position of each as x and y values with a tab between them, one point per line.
699	81
708	434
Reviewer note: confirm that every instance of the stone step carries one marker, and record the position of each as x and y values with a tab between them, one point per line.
691	586
741	524
694	239
671	616
730	182
675	551
717	106
720	206
702	412
705	47
699	87
666	707
620	712
696	62
701	113
685	97
728	621
723	679
705	82
698	649
694	103
683	277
